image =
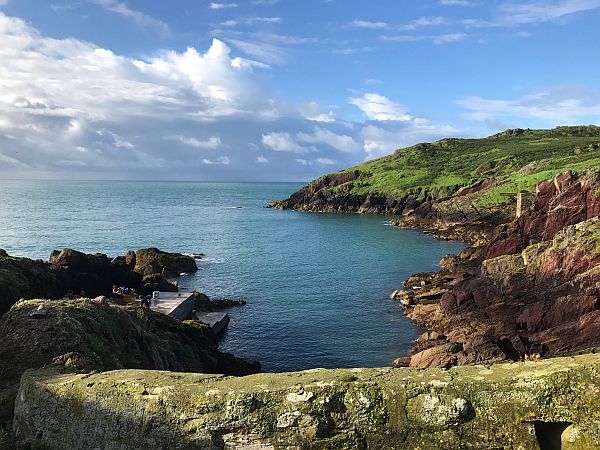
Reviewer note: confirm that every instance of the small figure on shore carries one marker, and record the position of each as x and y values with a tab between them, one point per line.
146	302
117	292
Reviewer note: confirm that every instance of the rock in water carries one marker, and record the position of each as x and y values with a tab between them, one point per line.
152	261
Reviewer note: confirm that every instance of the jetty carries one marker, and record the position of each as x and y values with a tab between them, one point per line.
180	306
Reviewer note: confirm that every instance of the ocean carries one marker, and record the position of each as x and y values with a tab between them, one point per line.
316	284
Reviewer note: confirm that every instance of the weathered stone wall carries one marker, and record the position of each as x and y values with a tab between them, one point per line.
521	406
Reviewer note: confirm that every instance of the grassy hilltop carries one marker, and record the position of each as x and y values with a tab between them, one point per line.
515	160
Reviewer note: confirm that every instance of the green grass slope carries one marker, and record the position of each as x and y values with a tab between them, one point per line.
515	159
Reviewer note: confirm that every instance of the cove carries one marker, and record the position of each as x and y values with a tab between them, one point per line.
316	284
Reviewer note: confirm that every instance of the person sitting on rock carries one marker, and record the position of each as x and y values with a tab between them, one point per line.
116	292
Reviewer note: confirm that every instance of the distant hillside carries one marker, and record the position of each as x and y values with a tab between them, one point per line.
497	167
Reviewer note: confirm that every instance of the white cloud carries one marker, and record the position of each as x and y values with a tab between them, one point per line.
424	22
251	21
221	160
217	6
68	100
385	137
283	142
380	108
558	105
210	143
66	103
443	38
516	14
368	24
523	13
325	161
139	18
339	142
395	127
312	111
457	3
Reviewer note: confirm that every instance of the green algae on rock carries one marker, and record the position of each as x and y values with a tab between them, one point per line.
521	405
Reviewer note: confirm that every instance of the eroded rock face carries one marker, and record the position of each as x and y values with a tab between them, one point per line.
152	261
504	406
566	200
533	291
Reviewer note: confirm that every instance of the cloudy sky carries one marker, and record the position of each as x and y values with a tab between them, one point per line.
281	90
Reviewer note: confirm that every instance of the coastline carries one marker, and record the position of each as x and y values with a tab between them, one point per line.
519	291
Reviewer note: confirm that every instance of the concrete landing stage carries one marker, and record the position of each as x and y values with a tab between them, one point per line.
215	320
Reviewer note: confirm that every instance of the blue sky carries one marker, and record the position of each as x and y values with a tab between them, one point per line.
281	90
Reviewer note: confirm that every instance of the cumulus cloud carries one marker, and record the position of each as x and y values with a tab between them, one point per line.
393	126
343	143
312	111
368	24
210	143
68	106
221	160
283	142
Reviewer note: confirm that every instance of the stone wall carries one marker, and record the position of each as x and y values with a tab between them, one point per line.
533	405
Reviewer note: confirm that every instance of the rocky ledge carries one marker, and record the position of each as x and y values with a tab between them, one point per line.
529	290
541	405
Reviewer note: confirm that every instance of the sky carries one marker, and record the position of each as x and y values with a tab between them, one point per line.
278	90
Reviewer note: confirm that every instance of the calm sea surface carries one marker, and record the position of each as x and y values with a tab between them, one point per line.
316	284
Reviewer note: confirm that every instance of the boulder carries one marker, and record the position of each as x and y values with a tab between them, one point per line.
152	261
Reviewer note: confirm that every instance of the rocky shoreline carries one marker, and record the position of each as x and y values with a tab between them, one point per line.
527	287
62	325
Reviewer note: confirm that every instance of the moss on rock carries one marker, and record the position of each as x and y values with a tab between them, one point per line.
521	405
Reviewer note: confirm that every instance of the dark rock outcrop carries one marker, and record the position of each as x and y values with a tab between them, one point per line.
93	274
152	261
70	271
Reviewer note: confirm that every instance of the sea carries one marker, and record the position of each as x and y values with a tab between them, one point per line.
316	285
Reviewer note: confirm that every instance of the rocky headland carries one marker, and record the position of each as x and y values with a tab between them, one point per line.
528	285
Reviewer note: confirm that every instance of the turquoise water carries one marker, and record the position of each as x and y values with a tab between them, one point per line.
316	284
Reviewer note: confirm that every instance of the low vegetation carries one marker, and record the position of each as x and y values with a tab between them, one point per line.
515	160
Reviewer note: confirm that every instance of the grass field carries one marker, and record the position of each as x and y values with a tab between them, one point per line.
515	160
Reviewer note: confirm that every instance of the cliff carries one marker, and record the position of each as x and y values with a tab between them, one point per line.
531	291
542	405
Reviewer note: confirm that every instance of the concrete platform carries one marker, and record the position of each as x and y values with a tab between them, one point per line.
215	320
178	305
